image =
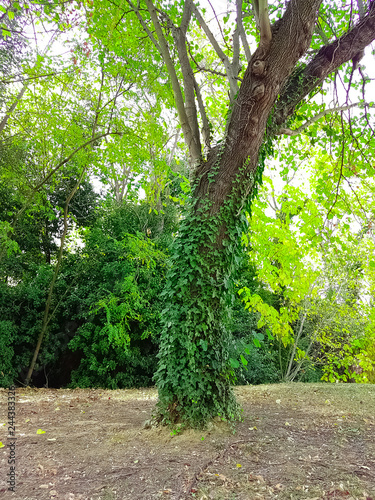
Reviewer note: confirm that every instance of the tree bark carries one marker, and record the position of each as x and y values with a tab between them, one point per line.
266	74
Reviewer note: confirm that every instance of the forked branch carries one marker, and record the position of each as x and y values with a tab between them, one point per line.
328	59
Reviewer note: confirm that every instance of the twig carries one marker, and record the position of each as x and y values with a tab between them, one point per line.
183	495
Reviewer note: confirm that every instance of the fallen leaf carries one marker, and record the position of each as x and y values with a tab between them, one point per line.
39	431
221	476
1	445
256	478
239	465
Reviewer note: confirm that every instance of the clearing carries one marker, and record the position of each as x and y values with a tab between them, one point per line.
297	441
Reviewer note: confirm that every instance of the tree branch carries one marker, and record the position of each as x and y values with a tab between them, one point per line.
179	36
304	126
233	85
18	78
361	8
206	130
54	170
144	26
236	46
219	25
4	121
329	58
190	138
241	30
263	21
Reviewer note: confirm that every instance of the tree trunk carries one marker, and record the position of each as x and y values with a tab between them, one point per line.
194	375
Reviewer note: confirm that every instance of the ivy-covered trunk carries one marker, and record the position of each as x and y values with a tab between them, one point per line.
194	376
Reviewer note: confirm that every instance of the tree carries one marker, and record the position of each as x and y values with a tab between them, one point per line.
308	41
321	275
271	92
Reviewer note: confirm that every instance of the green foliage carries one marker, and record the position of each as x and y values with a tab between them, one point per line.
106	306
21	309
8	371
321	278
120	305
194	373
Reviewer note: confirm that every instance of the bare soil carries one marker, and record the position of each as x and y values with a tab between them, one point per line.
296	441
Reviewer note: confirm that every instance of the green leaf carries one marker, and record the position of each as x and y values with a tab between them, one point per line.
257	343
234	363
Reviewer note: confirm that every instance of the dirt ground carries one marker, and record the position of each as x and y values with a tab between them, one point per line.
297	441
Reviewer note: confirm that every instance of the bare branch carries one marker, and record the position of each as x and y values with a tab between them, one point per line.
144	26
236	48
241	30
304	126
186	16
191	140
361	8
206	130
19	78
209	70
179	36
4	121
219	25
263	20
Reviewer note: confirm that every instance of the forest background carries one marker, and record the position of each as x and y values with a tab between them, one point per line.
95	179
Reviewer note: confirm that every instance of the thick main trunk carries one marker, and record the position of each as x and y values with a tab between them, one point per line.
234	162
194	375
